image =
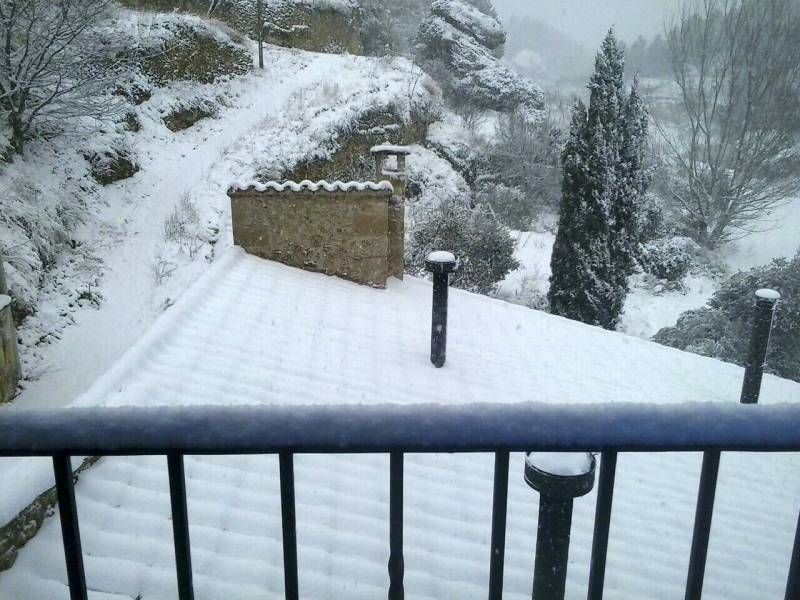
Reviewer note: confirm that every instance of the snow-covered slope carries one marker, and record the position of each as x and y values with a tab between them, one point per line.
252	331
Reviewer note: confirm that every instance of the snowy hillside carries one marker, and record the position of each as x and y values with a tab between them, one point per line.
252	331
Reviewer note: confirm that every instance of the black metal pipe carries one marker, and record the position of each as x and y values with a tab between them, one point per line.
556	495
766	301
702	525
602	525
180	526
499	510
552	548
396	563
440	264
289	524
793	581
323	429
70	531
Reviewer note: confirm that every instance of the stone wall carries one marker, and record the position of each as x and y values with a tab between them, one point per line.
9	358
353	234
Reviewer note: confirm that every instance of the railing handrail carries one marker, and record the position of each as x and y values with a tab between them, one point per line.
350	428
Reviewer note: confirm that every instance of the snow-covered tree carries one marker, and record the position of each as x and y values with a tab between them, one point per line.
54	63
604	183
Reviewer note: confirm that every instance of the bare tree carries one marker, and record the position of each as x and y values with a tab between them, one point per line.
54	62
731	159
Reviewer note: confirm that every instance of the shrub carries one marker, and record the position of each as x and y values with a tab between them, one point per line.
510	205
669	259
723	328
483	247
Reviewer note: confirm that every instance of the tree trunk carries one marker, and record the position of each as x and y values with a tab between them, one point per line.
17	134
260	25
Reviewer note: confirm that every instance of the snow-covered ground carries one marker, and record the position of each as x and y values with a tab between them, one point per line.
649	308
252	331
272	120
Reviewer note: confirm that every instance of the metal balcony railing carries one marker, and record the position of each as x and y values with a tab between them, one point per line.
395	429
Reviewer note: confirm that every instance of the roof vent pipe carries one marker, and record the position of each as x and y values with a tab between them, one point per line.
441	264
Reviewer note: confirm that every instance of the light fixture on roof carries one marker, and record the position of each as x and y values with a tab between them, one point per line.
559	477
441	264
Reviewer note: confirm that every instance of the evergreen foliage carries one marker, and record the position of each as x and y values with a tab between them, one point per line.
483	246
604	184
722	329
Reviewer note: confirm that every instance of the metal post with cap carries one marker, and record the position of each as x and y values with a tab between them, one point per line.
766	302
440	264
558	482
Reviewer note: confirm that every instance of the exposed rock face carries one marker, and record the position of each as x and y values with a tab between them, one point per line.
464	45
319	26
111	166
183	118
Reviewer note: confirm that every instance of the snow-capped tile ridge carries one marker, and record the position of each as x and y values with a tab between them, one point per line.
390	149
311	186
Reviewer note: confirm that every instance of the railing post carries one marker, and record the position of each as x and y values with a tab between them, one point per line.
602	525
70	532
793	581
289	526
766	301
441	264
557	491
180	526
499	512
396	563
702	525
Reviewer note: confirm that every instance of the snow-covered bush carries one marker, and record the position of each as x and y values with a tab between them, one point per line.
35	225
723	328
483	247
669	258
182	226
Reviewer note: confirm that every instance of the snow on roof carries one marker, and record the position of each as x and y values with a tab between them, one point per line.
768	294
390	149
4	300
252	331
310	186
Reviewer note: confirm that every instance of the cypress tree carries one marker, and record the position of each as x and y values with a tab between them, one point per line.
604	181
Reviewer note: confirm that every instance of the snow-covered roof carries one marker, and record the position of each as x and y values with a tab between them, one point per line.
312	186
252	331
4	299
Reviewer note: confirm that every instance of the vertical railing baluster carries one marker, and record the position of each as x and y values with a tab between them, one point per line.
499	510
396	566
180	526
602	525
70	532
793	582
289	524
702	525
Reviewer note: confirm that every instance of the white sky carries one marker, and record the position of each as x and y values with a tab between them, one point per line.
588	20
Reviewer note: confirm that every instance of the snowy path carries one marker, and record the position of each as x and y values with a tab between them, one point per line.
171	165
